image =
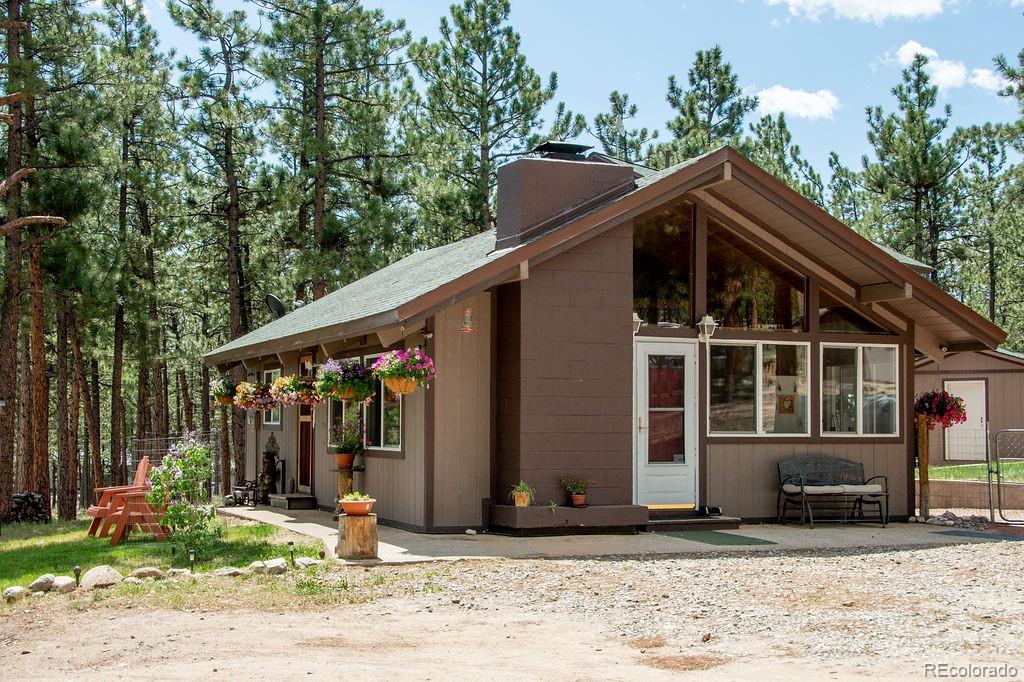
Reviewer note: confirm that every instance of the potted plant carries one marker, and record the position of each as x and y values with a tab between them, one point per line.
348	441
403	370
357	504
345	380
295	389
223	389
522	494
577	490
250	396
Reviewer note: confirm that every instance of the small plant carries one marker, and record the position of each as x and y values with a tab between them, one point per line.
223	388
294	389
940	407
179	490
347	437
345	380
250	396
522	494
576	486
356	496
412	364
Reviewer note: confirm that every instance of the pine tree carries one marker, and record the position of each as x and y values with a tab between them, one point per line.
482	102
633	145
711	109
772	148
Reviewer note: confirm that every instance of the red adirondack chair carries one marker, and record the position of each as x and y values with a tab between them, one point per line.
105	496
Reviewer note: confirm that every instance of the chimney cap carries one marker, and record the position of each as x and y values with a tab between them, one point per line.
555	147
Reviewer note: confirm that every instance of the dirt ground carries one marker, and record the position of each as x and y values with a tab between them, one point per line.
837	615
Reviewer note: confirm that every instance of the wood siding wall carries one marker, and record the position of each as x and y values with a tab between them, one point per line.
396	478
462	415
1004	391
574	380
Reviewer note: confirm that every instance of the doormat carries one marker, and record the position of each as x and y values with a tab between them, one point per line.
716	537
982	534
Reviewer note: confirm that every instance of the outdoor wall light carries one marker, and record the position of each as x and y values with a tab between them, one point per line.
467	322
636	324
706	328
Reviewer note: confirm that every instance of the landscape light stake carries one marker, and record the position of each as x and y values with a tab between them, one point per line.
291	551
192	560
78	575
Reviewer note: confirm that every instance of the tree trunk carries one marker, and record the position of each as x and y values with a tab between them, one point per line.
40	480
320	157
80	393
186	403
74	417
159	406
992	275
204	405
922	462
116	400
94	425
225	453
25	411
143	425
67	474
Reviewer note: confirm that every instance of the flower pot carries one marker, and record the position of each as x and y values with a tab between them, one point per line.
225	400
345	393
521	499
344	459
357	508
400	385
579	500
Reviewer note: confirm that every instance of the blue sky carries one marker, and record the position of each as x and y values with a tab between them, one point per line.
820	61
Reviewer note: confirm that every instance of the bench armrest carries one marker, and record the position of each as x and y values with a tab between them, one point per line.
885	482
795	479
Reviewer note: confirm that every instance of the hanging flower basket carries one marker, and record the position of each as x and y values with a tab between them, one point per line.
940	408
403	370
295	390
223	389
345	380
250	396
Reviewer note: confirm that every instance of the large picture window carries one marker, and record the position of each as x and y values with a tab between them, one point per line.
748	288
271	417
859	390
662	251
758	388
383	416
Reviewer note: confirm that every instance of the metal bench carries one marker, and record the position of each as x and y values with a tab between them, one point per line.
838	484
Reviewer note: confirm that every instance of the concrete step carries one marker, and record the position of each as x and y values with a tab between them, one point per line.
293	501
693	522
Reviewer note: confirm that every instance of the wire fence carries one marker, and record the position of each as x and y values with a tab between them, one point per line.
964	443
157	448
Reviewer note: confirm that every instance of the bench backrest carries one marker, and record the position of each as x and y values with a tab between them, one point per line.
822	470
142	472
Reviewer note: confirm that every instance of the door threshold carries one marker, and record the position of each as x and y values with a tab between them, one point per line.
671	507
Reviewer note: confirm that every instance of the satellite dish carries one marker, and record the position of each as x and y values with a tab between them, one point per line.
275	306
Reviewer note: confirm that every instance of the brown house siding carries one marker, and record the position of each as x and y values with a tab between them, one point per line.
573	383
1004	388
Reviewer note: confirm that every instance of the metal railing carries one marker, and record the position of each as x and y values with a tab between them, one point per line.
1008	446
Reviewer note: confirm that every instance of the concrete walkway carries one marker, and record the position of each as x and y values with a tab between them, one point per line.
400	546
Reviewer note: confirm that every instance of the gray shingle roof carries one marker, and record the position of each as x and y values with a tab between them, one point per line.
380	292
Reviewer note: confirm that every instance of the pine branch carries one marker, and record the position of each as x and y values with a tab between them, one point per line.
15	178
19	223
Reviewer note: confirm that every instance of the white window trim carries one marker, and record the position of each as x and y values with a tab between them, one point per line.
758	389
269	375
401	414
860	389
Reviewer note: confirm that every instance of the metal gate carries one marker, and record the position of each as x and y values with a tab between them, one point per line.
1009	447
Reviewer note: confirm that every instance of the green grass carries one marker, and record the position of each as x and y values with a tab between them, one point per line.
29	550
1012	472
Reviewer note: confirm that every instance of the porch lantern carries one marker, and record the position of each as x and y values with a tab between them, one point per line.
467	322
706	328
636	324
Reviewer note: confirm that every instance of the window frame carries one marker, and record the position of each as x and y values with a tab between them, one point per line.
401	414
758	345
859	347
268	376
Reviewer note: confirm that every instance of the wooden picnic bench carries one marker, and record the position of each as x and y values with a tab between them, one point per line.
833	484
105	497
131	510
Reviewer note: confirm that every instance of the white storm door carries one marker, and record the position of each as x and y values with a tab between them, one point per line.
665	453
967	440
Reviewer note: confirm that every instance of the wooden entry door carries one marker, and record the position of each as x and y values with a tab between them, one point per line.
968	439
665	451
304	450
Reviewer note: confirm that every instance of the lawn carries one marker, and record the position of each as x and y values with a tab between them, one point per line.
1012	471
29	550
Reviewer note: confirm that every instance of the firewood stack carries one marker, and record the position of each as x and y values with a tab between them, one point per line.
27	507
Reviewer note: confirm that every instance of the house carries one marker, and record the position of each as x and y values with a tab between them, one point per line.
584	358
991	382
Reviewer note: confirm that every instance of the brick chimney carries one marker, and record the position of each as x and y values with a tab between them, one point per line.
536	194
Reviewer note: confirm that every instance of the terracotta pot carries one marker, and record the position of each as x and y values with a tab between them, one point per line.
345	393
353	508
344	460
521	499
579	500
400	385
225	400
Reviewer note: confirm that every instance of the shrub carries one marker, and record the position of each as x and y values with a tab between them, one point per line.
180	487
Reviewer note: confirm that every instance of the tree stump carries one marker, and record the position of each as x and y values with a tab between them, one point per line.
344	488
922	462
357	537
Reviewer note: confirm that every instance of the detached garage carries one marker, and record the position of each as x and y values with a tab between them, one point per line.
991	382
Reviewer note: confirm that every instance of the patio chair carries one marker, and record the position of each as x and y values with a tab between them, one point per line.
130	509
105	496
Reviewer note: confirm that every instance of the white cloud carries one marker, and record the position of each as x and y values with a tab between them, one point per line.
908	50
987	79
798	103
945	73
876	11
